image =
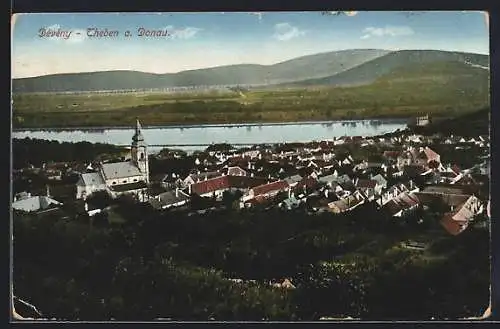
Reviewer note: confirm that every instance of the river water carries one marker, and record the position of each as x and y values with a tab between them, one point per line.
192	138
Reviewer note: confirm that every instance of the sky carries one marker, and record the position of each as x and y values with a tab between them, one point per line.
200	40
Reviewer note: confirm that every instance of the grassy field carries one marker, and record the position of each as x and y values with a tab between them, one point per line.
386	98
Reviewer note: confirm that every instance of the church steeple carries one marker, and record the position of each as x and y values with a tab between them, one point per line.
137	138
139	151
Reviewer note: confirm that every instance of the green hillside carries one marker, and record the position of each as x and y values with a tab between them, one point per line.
306	67
418	59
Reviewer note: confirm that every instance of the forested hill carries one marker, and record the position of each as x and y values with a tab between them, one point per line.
347	67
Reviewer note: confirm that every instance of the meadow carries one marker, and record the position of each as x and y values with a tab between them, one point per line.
388	98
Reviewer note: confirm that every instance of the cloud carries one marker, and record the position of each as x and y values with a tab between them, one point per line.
285	32
258	14
339	13
389	31
183	33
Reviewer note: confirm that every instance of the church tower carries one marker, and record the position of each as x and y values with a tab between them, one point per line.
139	152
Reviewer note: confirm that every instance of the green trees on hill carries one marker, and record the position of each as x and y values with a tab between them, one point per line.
177	266
35	152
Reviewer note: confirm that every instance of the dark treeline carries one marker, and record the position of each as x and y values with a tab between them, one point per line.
35	152
172	265
468	125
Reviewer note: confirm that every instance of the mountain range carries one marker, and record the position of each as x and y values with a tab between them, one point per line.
337	68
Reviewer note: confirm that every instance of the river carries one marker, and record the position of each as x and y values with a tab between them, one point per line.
192	138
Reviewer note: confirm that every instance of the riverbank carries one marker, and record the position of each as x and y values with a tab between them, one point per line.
371	121
376	101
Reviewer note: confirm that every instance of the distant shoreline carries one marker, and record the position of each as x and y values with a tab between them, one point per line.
213	125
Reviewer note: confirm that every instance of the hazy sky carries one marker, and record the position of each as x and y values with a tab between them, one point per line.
199	40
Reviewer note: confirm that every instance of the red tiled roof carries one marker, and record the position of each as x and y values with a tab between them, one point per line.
366	183
456	169
409	200
275	186
210	185
430	154
392	207
463	214
391	154
453	227
225	182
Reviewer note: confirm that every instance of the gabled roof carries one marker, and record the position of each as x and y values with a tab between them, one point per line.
453	227
92	178
380	179
293	179
236	171
168	198
119	170
225	182
307	182
430	154
34	203
266	188
328	179
203	175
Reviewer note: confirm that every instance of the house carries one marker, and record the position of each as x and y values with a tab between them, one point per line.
381	181
200	176
54	174
346	204
368	186
26	202
457	221
291	203
422	121
267	190
402	205
293	180
120	177
236	171
89	183
421	157
169	199
215	187
305	184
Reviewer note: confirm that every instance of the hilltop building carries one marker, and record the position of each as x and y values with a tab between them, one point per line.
422	121
117	178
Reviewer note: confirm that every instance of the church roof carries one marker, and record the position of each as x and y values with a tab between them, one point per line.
118	170
92	178
129	187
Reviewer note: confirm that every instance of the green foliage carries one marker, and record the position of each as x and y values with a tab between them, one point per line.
29	151
176	266
397	85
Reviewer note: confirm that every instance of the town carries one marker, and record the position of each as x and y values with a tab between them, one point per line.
401	175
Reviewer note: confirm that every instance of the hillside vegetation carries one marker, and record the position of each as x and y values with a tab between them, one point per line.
439	88
414	59
306	67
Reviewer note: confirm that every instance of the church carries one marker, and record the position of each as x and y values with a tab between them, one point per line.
118	178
